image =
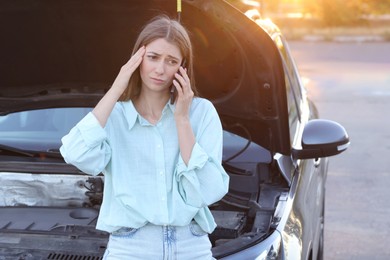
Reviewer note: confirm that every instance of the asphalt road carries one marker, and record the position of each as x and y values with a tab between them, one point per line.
350	83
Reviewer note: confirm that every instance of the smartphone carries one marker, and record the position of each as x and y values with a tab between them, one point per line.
173	88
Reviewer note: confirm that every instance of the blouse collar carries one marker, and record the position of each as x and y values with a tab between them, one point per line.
131	114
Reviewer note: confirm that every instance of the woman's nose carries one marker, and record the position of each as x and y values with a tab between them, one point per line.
160	67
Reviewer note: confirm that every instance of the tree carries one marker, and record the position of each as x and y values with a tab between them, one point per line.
340	12
378	6
345	12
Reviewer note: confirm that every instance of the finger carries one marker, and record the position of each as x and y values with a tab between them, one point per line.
178	86
181	82
186	80
184	92
184	84
136	59
138	54
184	74
140	50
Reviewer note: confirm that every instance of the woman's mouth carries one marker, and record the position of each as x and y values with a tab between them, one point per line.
158	81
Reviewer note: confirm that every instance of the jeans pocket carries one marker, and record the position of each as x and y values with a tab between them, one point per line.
124	232
196	230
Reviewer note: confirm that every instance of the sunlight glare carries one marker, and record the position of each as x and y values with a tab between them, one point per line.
253	14
251	3
295	15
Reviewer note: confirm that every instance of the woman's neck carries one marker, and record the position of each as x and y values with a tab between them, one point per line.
150	106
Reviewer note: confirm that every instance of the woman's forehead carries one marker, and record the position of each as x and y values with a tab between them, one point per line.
163	47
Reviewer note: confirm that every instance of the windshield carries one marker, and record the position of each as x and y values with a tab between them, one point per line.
39	130
42	130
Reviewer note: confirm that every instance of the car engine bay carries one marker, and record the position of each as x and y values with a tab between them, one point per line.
55	214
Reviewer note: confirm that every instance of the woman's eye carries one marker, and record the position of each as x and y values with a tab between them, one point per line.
152	57
172	62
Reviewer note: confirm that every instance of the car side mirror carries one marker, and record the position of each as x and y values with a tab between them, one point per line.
322	138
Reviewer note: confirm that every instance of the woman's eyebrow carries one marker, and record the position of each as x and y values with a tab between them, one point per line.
154	53
173	57
158	54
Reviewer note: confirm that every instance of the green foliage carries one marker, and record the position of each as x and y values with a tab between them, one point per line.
345	12
331	13
341	12
378	6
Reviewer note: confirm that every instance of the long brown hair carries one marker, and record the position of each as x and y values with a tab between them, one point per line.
161	27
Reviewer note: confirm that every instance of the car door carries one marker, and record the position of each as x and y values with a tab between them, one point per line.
307	213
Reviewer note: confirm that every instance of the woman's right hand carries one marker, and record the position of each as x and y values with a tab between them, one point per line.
103	109
122	80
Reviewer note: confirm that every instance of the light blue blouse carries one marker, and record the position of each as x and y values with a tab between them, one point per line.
146	180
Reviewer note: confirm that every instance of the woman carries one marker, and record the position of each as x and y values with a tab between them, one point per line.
161	160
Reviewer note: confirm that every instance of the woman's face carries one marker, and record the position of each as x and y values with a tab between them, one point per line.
160	63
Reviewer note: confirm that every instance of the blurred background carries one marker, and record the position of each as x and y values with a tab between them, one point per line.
324	19
342	50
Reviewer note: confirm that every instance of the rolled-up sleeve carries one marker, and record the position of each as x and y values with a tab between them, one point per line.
204	181
86	146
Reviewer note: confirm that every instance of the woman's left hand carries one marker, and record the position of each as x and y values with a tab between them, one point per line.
182	114
184	94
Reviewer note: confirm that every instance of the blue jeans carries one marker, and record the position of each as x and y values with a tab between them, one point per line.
159	243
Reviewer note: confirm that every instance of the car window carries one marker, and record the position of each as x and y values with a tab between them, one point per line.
39	130
294	94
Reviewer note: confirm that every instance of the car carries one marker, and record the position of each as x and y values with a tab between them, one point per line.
58	58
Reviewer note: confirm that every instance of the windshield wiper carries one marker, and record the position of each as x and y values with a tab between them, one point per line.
9	150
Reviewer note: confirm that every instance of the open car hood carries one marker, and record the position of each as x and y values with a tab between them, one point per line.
67	53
